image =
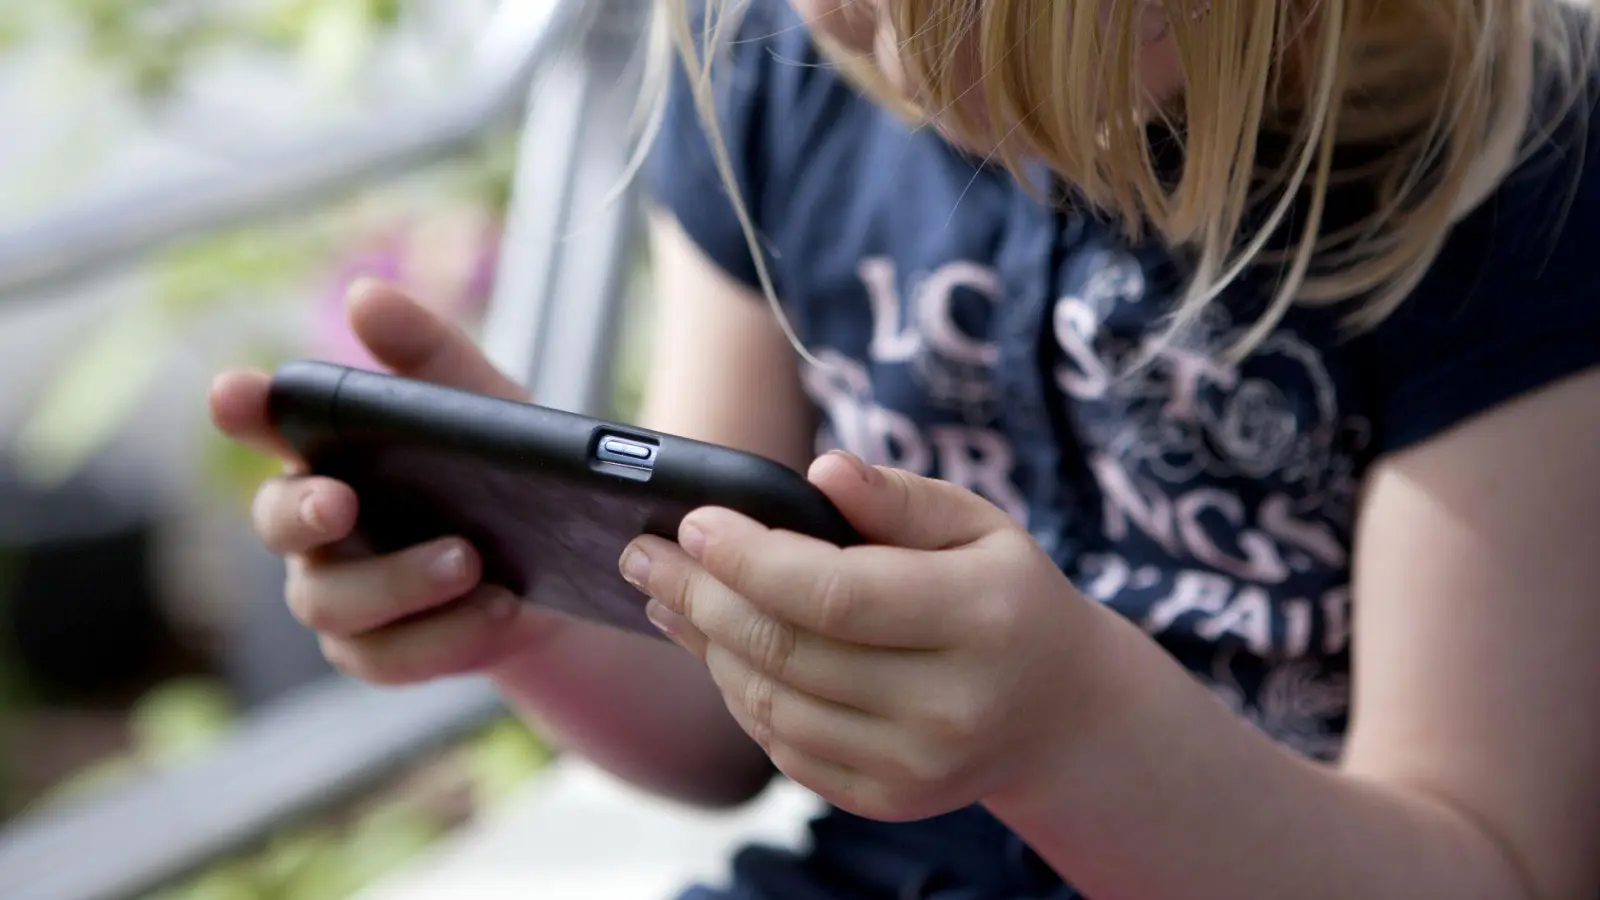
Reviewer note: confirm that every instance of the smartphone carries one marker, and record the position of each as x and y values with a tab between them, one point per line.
550	499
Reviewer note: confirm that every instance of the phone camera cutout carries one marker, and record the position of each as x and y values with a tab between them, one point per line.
629	457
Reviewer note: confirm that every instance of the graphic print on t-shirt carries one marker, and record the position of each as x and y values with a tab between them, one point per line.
1222	493
921	334
1226	492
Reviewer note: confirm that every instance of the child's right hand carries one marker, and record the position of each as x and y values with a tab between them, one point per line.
410	616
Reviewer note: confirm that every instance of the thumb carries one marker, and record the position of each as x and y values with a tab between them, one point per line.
415	342
900	509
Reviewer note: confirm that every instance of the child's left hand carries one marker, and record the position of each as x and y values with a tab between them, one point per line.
922	673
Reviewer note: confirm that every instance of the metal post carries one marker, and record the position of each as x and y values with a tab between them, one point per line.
569	239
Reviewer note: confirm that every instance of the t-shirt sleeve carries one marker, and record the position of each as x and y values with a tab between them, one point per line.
681	174
1512	304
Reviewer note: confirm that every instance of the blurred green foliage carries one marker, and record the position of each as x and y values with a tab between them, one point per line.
97	384
149	43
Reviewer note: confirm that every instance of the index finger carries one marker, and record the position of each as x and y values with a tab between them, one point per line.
880	596
238	402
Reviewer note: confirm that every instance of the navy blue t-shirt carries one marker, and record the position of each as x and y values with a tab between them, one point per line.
979	336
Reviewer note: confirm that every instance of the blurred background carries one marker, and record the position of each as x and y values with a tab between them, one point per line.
187	185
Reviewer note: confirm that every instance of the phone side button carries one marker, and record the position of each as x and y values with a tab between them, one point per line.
629	453
625	449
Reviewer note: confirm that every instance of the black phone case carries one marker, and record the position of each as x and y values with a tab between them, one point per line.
539	492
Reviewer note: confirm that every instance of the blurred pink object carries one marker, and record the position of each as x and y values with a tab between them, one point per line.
447	263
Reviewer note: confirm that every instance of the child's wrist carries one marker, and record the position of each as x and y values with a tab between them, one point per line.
1091	729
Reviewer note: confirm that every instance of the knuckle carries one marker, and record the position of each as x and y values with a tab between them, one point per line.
305	603
389	676
277	516
891	799
475	656
730	562
878	801
403	580
959	717
799	767
395	671
342	656
904	490
992	619
460	641
770	644
457	659
482	643
728	678
266	514
835	602
676	589
929	764
1015	548
373	662
760	694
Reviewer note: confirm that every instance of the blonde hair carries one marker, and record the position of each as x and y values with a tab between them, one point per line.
1457	90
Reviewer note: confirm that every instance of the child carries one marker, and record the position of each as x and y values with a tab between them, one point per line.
1255	345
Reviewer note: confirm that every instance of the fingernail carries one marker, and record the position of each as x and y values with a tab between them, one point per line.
361	287
857	465
503	607
665	620
311	513
692	539
636	568
449	567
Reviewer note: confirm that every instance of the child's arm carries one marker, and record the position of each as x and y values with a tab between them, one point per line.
721	372
1473	765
